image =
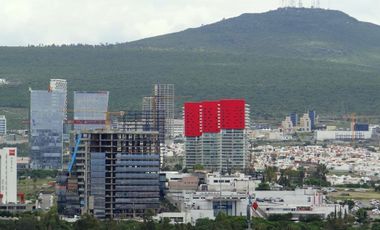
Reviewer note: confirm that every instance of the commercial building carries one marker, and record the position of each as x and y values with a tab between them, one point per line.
207	204
238	182
361	127
322	135
216	134
47	115
3	125
90	110
8	175
114	175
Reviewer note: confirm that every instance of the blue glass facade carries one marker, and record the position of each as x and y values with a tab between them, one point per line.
117	173
294	119
47	114
312	116
361	127
98	183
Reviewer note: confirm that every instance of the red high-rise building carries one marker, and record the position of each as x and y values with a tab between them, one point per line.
212	116
215	133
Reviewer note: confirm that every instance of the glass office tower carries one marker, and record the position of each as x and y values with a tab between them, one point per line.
47	114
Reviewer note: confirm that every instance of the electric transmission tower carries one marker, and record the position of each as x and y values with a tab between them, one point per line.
300	3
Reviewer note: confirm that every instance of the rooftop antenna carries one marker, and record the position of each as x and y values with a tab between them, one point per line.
300	4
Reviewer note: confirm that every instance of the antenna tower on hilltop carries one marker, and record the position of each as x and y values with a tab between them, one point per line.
300	3
315	4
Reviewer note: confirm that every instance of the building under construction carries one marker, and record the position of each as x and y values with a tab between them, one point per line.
145	120
112	174
162	101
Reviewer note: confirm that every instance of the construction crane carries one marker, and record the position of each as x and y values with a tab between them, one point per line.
353	122
353	119
74	155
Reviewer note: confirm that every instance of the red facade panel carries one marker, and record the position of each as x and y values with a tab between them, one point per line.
210	117
232	114
192	119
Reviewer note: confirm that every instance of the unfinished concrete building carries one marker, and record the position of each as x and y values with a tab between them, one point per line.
162	102
115	174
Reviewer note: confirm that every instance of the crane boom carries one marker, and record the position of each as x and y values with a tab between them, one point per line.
74	156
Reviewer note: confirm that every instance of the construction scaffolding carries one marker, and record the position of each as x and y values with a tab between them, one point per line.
162	100
145	120
115	174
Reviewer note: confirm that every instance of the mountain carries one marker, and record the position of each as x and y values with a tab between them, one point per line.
300	32
280	61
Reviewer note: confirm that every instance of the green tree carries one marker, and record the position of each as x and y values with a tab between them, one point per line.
270	174
263	187
51	221
321	172
362	216
87	222
148	220
198	167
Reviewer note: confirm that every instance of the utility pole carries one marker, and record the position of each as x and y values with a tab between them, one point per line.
249	205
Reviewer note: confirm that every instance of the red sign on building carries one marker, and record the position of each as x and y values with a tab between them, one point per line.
12	152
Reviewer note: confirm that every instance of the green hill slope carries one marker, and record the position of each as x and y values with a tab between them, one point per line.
327	61
300	32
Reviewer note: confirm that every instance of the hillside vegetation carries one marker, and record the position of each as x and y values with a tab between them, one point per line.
280	61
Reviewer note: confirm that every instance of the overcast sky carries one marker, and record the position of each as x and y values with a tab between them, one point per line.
24	22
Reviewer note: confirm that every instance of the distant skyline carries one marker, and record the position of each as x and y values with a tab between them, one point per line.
34	22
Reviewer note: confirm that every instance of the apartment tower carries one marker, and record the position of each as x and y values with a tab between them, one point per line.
216	134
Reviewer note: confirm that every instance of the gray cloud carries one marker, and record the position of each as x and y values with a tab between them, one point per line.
26	22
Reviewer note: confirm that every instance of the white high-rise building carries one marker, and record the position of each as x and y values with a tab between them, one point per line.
8	175
3	125
305	123
287	125
59	85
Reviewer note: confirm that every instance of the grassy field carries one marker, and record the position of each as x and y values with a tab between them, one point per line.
31	188
15	117
360	195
